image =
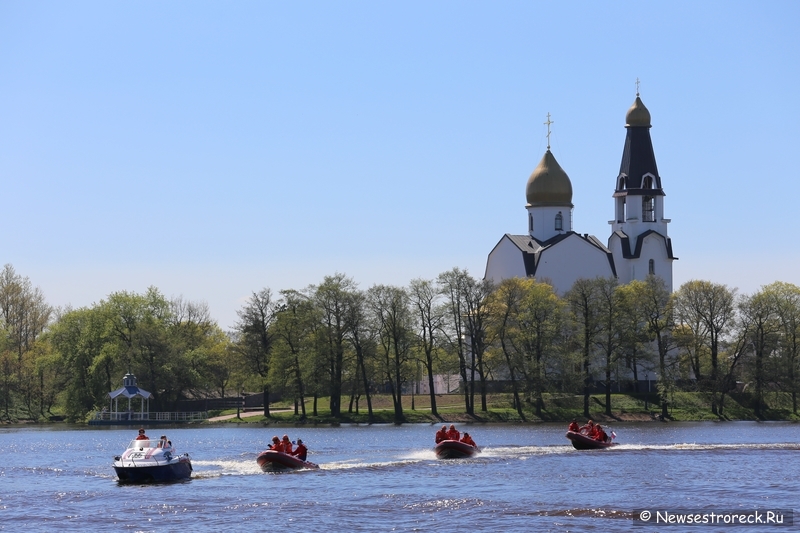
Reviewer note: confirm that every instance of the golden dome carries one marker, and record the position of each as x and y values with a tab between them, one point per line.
549	184
637	115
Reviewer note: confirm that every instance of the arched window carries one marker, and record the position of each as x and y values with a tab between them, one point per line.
559	222
530	222
648	209
621	186
652	267
647	183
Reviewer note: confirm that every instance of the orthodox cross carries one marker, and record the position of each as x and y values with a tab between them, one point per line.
637	86
548	129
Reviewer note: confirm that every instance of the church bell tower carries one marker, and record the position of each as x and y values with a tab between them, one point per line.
639	240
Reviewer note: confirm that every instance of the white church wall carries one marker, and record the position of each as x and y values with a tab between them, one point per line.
624	270
570	260
505	261
653	247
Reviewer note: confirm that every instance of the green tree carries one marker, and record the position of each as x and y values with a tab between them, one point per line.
654	305
78	338
255	337
476	293
293	328
635	341
428	320
787	308
528	318
333	297
704	313
24	316
203	362
362	336
166	344
453	285
759	316
504	306
389	307
584	300
611	337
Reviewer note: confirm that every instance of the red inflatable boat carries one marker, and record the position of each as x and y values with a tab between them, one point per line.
453	449
583	442
272	461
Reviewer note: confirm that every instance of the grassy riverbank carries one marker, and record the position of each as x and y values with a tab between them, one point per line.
684	406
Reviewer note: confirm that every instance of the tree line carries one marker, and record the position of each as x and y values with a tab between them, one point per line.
338	343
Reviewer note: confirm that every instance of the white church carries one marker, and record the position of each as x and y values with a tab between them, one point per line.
551	251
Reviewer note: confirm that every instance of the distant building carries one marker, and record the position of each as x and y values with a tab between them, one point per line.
551	251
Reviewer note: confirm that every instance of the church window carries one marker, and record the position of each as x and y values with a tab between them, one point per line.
530	222
648	209
648	182
652	267
559	222
621	184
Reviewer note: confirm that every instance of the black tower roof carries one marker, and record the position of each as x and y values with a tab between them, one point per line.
638	158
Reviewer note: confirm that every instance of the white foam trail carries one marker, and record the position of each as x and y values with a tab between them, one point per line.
226	468
710	446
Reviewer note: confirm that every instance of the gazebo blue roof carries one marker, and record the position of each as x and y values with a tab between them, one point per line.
130	389
130	392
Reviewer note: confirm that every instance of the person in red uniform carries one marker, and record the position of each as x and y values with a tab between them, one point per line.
599	434
441	434
301	452
466	439
141	435
573	426
588	428
453	433
276	444
287	445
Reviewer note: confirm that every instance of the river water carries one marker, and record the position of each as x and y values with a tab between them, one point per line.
386	478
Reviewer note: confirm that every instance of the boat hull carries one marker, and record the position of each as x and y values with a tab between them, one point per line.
273	461
582	442
453	449
178	470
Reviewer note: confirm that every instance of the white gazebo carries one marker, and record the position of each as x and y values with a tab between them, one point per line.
129	390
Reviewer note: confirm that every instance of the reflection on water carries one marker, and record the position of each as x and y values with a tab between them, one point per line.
377	478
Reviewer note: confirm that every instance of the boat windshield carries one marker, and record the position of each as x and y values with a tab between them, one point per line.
153	443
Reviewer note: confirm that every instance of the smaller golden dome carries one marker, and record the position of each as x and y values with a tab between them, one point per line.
638	115
549	184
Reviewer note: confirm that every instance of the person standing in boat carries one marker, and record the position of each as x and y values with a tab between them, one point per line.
141	435
466	439
453	433
573	426
441	434
301	452
287	445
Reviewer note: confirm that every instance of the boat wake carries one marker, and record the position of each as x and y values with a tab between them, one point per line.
691	446
209	469
517	451
247	467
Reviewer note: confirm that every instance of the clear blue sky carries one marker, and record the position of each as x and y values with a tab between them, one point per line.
214	148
